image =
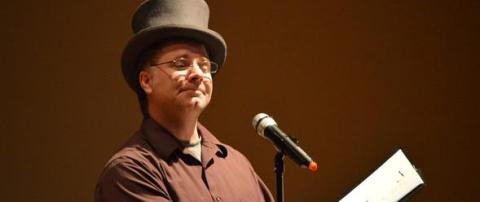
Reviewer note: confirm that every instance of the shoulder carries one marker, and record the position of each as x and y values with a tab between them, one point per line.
235	156
234	152
132	170
135	154
134	161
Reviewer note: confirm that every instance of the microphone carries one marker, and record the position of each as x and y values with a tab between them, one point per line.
268	128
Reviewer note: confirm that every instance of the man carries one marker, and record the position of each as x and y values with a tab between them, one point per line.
169	63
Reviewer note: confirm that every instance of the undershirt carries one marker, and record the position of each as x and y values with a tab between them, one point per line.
195	150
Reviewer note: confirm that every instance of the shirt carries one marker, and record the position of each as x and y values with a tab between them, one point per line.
152	166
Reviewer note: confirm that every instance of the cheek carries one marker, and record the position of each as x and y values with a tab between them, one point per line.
162	88
209	87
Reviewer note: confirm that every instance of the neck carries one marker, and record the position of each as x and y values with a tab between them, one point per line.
182	125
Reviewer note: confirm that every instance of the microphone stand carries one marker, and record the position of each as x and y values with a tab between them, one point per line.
279	170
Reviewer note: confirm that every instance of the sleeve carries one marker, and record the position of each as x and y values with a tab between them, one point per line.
129	181
265	191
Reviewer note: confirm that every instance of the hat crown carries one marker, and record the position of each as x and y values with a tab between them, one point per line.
154	13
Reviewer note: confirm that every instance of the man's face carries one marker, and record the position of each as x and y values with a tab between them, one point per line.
173	89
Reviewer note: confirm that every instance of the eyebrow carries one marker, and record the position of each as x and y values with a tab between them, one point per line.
182	56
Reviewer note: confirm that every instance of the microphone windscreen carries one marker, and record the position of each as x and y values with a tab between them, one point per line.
261	121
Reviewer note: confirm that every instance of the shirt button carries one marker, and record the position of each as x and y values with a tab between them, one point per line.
218	198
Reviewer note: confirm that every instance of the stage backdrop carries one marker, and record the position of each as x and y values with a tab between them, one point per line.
353	80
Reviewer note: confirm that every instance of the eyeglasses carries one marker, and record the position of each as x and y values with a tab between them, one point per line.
183	63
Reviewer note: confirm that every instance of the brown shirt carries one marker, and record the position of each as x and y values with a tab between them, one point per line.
153	167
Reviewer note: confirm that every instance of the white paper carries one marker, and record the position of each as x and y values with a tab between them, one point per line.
393	180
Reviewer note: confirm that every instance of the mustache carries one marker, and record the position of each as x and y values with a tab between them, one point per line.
190	86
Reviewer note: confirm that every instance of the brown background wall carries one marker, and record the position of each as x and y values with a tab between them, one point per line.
354	80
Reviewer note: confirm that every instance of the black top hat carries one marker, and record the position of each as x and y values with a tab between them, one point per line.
159	20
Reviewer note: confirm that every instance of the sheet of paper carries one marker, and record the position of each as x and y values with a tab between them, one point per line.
392	181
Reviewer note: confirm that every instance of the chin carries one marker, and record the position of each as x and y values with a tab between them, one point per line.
197	103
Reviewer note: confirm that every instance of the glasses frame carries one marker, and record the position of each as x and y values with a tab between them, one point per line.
173	64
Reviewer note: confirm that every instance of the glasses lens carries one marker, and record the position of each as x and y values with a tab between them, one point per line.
207	66
213	67
181	63
204	64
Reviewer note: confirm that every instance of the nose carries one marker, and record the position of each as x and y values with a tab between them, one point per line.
195	73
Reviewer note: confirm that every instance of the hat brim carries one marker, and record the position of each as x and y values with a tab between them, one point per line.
214	43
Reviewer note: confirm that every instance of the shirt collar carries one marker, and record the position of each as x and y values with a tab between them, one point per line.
164	143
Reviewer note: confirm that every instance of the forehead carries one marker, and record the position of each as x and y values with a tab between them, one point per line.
174	49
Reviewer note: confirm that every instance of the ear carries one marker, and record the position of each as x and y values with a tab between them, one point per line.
146	81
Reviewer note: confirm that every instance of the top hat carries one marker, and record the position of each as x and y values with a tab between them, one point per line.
160	20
